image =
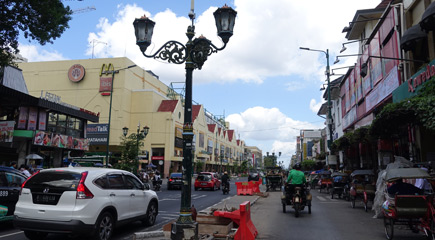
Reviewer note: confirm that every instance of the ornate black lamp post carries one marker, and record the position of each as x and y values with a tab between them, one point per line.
141	134
194	54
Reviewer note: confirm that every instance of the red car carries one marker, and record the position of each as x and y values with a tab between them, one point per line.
207	180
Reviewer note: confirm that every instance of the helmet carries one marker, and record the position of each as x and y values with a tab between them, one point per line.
297	166
225	172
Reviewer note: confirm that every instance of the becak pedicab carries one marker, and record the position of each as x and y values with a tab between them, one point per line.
313	178
363	187
409	206
339	181
325	181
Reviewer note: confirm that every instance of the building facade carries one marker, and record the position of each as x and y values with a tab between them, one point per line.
138	99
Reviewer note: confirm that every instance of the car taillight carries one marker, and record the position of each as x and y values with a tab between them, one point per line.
170	179
24	183
83	191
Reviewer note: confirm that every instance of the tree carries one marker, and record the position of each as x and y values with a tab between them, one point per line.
269	161
129	152
42	20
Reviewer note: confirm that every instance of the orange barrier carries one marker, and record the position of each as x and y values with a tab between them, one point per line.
241	217
255	186
243	188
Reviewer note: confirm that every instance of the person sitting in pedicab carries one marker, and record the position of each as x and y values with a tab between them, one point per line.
296	178
399	187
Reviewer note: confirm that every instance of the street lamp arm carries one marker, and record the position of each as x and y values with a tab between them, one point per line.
171	51
201	49
315	50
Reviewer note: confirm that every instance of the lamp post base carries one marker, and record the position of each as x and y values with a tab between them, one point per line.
184	231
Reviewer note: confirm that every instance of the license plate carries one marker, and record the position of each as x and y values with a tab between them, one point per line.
45	199
204	184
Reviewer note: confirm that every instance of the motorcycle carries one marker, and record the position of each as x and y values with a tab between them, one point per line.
157	184
298	197
226	188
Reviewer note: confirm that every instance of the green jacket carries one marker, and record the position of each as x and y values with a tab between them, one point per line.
296	177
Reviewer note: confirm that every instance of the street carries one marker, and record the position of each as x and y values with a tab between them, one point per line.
169	208
330	218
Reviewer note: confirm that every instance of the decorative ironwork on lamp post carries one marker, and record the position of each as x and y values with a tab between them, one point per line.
194	53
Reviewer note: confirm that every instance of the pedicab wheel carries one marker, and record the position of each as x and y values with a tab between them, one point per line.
431	231
296	205
283	208
352	201
389	228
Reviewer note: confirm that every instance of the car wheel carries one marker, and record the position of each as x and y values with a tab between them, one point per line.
32	235
169	187
151	215
104	227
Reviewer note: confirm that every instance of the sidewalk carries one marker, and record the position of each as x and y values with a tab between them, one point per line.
229	203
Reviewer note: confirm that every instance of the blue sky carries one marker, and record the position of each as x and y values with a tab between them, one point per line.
267	88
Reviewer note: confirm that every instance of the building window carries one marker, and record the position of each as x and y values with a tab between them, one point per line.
63	124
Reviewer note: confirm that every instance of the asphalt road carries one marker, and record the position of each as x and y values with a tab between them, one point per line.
169	208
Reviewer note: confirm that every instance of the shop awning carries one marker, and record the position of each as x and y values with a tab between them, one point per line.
411	36
428	19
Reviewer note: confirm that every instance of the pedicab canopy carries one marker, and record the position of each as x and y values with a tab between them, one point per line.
334	174
362	172
408	173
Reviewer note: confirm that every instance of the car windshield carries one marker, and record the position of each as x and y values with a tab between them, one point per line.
60	179
204	177
176	175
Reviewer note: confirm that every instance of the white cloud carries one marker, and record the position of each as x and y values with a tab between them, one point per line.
34	53
269	129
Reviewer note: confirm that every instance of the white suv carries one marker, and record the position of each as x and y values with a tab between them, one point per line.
82	200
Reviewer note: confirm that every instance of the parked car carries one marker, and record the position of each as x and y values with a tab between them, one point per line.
83	201
253	176
10	186
207	180
175	181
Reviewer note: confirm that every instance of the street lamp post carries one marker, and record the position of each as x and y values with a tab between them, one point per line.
194	53
140	134
329	120
110	107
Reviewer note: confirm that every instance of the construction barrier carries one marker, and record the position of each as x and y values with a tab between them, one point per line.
243	188
242	218
248	188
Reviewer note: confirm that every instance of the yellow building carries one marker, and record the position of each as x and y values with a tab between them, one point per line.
139	98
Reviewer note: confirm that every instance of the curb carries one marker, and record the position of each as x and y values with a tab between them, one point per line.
153	234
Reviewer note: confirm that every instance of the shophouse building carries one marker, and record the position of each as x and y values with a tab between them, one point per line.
138	99
395	57
38	131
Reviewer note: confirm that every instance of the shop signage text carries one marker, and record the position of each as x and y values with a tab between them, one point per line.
422	77
51	97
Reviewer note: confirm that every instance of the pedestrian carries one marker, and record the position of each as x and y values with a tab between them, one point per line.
13	165
145	177
25	170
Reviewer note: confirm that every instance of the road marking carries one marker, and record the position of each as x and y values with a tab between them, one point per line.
169	199
168	214
321	198
7	235
199	197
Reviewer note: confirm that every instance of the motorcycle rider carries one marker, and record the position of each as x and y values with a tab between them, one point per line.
157	180
296	178
225	180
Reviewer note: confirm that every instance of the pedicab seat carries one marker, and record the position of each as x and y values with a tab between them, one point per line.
410	206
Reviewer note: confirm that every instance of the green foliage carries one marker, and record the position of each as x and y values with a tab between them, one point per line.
129	152
269	161
198	166
42	20
308	164
244	166
418	110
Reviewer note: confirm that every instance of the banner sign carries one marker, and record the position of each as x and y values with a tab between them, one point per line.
7	131
97	133
48	139
383	89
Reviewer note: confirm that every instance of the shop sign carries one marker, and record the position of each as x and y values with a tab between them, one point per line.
106	81
349	118
48	139
76	73
410	88
157	158
7	131
97	133
383	89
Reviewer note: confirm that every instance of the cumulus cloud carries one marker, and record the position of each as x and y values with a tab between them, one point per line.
269	127
34	53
